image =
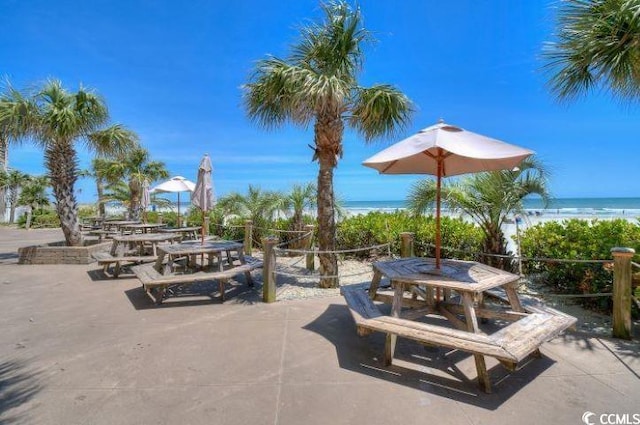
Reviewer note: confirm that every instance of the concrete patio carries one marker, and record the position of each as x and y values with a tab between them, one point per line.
79	348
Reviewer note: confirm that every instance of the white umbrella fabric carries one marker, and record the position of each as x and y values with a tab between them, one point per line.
202	195
175	184
446	150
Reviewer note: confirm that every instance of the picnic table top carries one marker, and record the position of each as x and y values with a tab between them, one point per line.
197	247
142	225
454	274
144	237
179	229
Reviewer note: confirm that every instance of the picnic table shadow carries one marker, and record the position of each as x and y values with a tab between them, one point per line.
431	369
197	294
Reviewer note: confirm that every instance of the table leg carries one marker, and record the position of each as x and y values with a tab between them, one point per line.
396	307
375	282
247	275
472	326
513	298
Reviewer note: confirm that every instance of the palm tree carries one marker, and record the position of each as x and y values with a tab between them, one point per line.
56	120
317	84
33	195
598	46
300	198
258	205
12	181
489	199
135	166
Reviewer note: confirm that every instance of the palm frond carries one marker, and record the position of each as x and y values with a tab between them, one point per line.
598	45
380	110
112	141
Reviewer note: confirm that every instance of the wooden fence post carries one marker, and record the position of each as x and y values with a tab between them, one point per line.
269	269
406	244
248	237
622	292
308	245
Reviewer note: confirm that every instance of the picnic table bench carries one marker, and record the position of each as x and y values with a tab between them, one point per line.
510	345
530	325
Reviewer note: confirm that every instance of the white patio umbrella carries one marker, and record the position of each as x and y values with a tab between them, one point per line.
202	196
446	150
175	184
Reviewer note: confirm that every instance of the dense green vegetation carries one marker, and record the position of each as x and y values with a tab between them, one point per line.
577	239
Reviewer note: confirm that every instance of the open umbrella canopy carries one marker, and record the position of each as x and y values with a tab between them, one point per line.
175	184
460	151
446	150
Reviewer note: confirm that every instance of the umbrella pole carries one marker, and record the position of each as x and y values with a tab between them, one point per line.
202	228
178	223
438	201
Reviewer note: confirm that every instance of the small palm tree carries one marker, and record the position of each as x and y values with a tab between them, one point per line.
12	181
301	198
489	199
598	45
317	84
56	119
258	205
34	196
135	166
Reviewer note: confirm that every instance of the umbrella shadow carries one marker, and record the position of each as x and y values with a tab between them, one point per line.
435	370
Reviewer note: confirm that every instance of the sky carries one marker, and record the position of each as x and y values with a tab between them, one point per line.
173	73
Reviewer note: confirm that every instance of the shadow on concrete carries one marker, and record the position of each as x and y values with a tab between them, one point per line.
434	370
196	294
17	386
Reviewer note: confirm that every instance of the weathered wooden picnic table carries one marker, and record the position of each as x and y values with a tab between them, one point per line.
224	260
431	293
135	248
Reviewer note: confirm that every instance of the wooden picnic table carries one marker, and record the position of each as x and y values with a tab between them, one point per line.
157	279
115	225
469	280
191	233
135	248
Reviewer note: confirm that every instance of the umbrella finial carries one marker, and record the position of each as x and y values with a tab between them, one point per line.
440	120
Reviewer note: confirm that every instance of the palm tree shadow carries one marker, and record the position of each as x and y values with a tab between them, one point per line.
439	371
17	386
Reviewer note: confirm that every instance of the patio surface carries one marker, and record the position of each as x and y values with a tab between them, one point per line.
77	348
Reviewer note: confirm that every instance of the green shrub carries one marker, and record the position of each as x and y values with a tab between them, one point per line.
42	218
377	228
86	211
577	239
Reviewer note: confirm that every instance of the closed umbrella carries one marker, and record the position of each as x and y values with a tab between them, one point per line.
446	150
145	201
202	196
175	184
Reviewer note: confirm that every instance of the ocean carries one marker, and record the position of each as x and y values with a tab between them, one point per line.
558	208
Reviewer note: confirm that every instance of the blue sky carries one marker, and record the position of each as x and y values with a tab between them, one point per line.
172	72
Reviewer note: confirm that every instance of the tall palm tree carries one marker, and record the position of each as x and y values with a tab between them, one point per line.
317	84
56	119
598	45
12	181
135	166
489	199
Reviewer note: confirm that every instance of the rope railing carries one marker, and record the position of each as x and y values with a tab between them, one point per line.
636	265
302	237
338	251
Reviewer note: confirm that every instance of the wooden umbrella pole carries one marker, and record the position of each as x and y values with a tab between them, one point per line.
178	223
438	200
202	228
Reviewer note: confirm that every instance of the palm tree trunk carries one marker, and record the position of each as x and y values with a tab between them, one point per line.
328	138
4	159
134	204
60	160
13	200
100	190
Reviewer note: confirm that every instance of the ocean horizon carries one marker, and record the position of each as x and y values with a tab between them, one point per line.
558	208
